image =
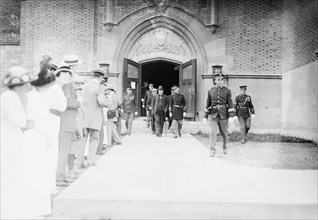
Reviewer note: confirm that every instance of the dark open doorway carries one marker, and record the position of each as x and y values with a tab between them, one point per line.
162	73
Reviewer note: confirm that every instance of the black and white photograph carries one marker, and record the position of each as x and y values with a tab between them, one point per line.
159	109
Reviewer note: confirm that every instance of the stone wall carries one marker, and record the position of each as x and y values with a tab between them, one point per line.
299	66
299	106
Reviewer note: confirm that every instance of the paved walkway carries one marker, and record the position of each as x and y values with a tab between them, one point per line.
156	178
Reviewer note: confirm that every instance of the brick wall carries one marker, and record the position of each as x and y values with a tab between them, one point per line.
56	28
254	36
300	33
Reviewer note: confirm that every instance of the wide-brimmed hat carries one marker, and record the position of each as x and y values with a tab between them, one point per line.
71	59
17	75
99	71
63	68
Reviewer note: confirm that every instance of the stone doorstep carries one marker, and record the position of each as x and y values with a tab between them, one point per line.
103	209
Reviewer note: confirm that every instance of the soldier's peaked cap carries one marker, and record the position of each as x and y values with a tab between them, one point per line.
219	75
243	87
160	88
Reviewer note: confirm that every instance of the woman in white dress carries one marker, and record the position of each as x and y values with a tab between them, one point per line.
15	192
35	154
53	94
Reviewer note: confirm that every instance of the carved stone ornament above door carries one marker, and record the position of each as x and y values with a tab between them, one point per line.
160	42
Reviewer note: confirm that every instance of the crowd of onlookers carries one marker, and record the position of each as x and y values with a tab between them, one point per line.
54	125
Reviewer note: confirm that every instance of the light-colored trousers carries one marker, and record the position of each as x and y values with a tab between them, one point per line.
245	125
93	144
176	126
112	132
214	124
65	140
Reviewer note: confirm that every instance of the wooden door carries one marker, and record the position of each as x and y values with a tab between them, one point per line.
132	77
187	78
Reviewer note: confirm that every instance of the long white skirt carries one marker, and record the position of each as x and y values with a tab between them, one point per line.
37	170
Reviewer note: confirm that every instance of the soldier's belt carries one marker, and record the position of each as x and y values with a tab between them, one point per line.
242	107
218	106
178	106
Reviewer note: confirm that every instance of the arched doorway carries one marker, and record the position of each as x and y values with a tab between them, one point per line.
159	72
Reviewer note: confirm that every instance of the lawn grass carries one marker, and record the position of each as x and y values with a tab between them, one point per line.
236	136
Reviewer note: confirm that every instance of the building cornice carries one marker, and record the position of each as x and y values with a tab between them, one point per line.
246	76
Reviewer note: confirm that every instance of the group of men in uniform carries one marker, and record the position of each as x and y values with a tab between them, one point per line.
219	108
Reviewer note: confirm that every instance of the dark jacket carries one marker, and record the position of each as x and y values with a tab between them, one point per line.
163	99
147	99
243	106
177	106
219	102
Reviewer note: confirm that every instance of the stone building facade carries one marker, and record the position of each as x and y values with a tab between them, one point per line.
268	45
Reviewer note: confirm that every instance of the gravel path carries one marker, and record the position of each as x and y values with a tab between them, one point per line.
301	156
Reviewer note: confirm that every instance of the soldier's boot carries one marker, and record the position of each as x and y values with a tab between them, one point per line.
179	133
224	148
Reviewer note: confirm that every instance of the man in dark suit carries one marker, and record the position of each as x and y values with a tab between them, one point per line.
160	108
244	111
177	109
218	106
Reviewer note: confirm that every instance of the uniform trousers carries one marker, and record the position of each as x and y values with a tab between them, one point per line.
65	139
160	120
148	114
214	124
245	125
129	117
176	126
93	135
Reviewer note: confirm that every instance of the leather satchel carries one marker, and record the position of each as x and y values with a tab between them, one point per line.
111	114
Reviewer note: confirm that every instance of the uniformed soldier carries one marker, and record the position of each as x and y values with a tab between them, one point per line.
244	111
177	109
219	106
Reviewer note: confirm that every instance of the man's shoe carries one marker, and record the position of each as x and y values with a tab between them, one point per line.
225	151
92	163
179	133
118	143
100	152
62	184
175	136
243	142
212	153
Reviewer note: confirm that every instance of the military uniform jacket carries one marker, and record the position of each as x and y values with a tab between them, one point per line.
219	101
178	106
129	103
243	106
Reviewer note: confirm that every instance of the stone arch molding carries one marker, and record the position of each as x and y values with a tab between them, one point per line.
160	43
